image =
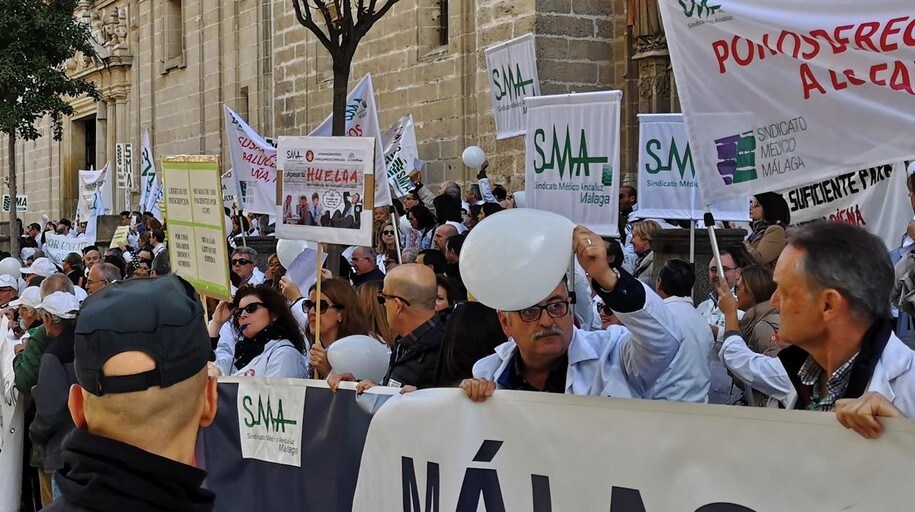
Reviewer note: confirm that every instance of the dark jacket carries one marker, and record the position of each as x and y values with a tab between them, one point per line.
27	363
414	360
52	415
375	275
104	475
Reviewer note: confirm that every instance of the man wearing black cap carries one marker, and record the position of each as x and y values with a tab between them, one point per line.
142	396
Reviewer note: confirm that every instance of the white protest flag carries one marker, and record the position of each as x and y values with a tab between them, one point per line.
512	67
572	153
254	165
92	192
150	181
229	188
873	198
400	152
780	93
668	188
362	121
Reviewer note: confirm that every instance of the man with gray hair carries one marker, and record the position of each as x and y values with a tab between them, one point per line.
101	275
365	266
834	282
244	263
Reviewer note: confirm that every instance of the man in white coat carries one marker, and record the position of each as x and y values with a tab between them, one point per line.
547	352
688	377
834	282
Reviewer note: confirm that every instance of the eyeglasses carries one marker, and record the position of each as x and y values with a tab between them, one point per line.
714	270
554	309
605	309
382	297
250	308
308	305
242	262
386	232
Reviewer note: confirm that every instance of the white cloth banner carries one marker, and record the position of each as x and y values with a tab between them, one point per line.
150	182
270	419
572	153
780	93
362	121
400	152
57	247
12	414
668	188
253	165
91	192
873	198
512	67
595	453
229	187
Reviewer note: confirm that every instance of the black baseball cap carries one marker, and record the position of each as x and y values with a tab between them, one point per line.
160	316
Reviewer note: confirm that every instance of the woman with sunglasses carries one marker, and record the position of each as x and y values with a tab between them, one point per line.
769	217
341	316
387	246
267	341
375	313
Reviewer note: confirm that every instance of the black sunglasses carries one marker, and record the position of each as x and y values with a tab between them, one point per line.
308	305
250	308
242	262
605	309
386	232
383	297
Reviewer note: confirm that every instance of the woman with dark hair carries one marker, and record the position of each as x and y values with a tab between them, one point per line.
341	316
449	293
267	339
422	220
489	209
472	332
759	324
769	217
447	208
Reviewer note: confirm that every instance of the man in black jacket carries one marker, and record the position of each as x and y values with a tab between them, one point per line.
143	394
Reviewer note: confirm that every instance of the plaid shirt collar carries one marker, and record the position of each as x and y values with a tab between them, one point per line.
407	341
810	374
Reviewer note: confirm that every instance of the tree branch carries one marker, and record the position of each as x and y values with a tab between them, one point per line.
381	12
306	20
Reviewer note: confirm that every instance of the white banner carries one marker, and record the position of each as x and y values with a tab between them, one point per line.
541	452
228	189
254	165
780	93
362	121
572	153
270	419
512	67
12	413
91	192
400	153
668	188
874	198
57	247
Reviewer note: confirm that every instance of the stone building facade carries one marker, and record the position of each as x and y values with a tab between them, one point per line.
167	66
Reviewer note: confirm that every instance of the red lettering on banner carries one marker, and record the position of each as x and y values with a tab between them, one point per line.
355	131
863	36
340	176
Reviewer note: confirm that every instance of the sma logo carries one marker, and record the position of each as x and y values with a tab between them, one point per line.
683	162
264	416
561	156
699	8
510	84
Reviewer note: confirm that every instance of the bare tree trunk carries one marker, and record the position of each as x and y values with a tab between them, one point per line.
341	86
14	229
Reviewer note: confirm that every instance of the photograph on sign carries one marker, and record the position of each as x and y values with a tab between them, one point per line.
323	187
195	217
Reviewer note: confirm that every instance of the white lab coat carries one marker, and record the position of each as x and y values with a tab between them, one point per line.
280	358
622	362
762	373
688	377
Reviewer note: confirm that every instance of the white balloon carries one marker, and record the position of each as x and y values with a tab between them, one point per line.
473	157
287	250
520	200
10	266
516	257
361	355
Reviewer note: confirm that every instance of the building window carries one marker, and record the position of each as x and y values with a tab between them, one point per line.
432	25
173	34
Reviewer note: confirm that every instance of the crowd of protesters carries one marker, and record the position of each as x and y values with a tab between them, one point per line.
798	318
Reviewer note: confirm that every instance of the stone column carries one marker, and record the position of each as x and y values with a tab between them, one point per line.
668	244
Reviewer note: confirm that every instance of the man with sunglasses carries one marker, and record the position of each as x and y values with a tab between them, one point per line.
244	263
548	353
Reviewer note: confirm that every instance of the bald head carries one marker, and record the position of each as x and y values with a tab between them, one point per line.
415	283
442	234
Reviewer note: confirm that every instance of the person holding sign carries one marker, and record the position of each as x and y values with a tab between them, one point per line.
548	353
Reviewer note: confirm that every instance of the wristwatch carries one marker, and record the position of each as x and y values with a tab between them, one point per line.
601	288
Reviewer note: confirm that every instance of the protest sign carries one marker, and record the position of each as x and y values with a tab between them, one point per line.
124	165
196	231
57	247
276	437
120	236
331	433
512	68
12	414
150	182
22	203
91	192
253	162
779	93
400	152
325	186
672	453
362	121
873	198
228	190
667	175
572	157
